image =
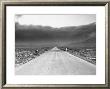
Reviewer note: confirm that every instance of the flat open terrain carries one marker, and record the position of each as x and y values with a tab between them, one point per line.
56	62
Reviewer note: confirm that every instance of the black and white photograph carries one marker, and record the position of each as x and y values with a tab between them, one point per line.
55	44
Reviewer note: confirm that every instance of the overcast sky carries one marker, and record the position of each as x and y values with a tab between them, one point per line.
55	20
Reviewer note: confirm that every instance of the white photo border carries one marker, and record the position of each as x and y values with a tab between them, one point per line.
99	78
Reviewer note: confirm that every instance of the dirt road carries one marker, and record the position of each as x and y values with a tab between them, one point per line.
56	62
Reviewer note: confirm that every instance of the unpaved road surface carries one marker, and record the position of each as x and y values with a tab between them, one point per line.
56	62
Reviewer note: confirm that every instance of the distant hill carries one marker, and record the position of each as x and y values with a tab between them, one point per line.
71	36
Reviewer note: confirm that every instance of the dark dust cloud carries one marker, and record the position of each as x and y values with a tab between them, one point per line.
46	36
